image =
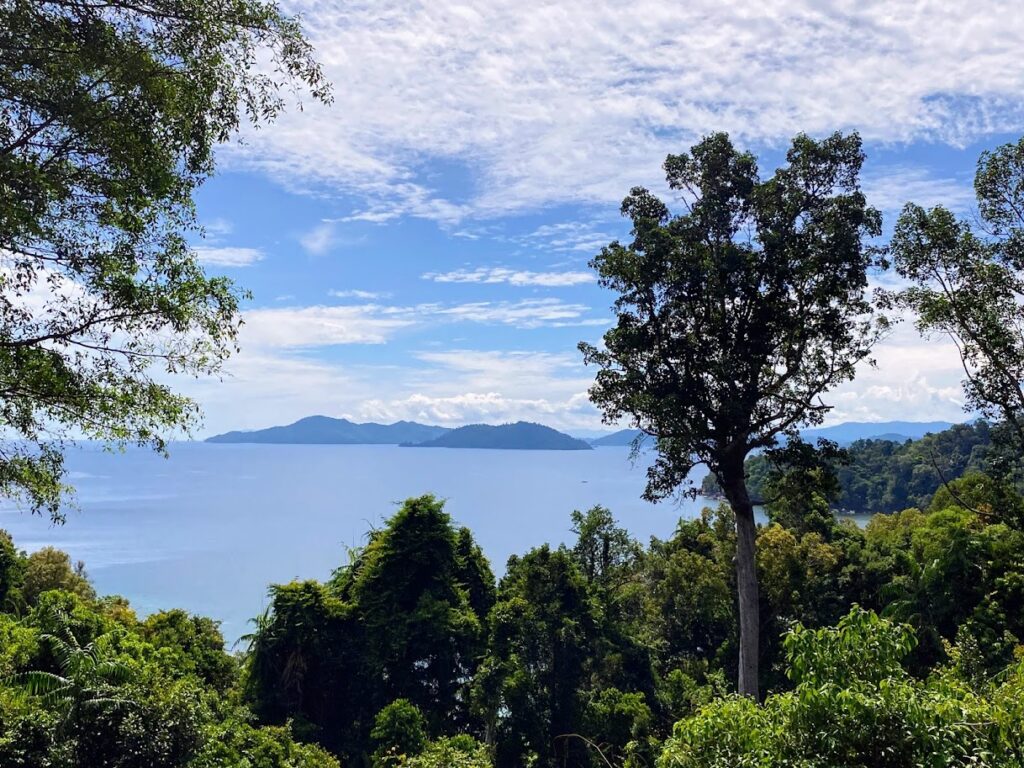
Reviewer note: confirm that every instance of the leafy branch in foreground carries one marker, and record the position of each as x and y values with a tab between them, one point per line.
109	116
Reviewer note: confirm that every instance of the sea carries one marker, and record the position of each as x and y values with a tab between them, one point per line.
211	527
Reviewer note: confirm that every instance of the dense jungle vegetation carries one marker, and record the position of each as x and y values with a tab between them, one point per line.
897	644
887	476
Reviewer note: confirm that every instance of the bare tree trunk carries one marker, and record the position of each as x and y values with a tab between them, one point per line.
734	485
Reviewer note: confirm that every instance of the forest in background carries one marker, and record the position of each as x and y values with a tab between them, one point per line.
888	475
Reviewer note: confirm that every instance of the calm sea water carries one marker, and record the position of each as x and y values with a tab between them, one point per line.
210	528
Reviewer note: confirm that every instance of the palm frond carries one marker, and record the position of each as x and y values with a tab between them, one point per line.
39	683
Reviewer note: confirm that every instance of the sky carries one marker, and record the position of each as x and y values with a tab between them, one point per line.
419	248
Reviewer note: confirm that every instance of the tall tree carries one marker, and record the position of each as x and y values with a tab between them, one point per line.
735	316
968	283
109	116
542	643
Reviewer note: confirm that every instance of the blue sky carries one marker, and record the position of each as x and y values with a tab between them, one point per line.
419	248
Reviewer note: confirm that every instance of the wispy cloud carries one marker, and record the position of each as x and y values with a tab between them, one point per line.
487	407
517	277
575	102
462	386
319	240
890	188
587	237
227	256
218	227
298	327
528	313
372	323
357	294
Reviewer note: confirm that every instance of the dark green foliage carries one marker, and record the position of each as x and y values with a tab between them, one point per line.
587	654
606	553
109	117
543	630
299	661
405	619
802	484
473	572
195	645
82	685
689	590
622	725
855	705
12	574
735	316
421	632
881	475
968	283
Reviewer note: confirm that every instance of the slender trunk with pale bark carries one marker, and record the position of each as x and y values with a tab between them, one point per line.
734	486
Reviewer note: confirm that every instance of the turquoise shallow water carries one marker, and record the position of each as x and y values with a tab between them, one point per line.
211	527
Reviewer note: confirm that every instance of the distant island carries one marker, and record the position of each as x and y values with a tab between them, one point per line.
522	436
323	430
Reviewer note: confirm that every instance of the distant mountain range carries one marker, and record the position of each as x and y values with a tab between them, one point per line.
522	435
844	434
622	437
323	430
897	431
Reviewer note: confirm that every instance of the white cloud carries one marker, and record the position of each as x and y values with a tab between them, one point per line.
889	189
517	277
915	379
276	377
466	386
482	407
323	326
536	374
577	101
528	313
320	239
218	227
586	237
261	388
228	256
357	294
296	327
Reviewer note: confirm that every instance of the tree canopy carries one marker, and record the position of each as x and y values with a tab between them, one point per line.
736	315
968	283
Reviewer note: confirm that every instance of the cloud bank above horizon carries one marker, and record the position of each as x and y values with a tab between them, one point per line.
419	248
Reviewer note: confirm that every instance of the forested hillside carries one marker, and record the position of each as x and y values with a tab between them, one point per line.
887	476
